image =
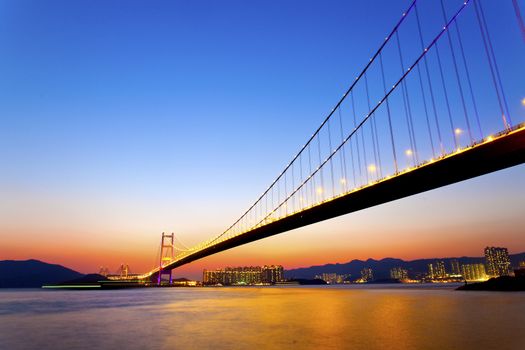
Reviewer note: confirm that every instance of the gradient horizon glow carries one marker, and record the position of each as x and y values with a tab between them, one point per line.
119	122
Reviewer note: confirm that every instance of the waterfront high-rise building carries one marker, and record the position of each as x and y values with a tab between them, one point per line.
333	278
272	274
474	272
498	261
398	273
440	269
454	267
437	270
367	274
330	278
243	275
431	273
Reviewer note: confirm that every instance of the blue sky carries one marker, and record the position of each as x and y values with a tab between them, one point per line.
123	119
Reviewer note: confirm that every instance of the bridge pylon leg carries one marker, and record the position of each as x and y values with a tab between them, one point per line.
166	254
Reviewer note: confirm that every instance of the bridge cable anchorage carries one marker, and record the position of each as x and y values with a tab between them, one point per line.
492	65
430	87
458	79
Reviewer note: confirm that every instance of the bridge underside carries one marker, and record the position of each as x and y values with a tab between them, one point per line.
503	152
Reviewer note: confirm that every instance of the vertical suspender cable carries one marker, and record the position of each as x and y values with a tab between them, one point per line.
423	96
293	189
357	141
389	115
301	191
343	154
462	50
405	103
519	18
432	98
321	189
373	129
285	194
329	152
312	180
493	75
446	95
456	71
489	41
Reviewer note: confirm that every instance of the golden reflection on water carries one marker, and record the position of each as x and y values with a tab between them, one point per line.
263	318
340	319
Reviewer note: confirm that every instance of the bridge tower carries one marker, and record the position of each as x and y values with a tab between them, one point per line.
124	271
166	253
104	271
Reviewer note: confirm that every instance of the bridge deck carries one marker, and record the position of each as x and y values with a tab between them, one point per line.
504	151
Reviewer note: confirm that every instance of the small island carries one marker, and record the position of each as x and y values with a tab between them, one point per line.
498	284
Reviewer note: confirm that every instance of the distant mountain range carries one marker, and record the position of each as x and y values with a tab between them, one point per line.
381	268
33	274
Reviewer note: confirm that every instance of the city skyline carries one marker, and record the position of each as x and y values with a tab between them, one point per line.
93	180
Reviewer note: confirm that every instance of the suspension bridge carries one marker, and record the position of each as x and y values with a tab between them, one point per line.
432	106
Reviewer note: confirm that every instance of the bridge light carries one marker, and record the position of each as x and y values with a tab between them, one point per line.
343	181
490	138
523	102
372	168
458	131
319	190
409	152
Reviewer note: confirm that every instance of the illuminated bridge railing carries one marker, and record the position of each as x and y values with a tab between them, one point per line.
441	81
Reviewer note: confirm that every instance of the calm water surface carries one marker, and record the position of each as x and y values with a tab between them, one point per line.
345	317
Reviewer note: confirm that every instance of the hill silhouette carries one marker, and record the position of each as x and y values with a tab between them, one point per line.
381	268
33	274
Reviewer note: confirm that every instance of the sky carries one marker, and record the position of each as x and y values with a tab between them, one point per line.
122	120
